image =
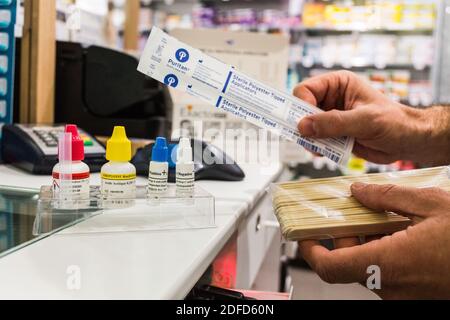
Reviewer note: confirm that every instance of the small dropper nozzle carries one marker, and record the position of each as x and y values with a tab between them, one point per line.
119	147
160	151
185	151
65	156
77	143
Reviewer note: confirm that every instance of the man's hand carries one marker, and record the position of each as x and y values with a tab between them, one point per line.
385	131
414	263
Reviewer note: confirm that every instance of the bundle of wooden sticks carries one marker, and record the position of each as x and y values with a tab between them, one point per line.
324	208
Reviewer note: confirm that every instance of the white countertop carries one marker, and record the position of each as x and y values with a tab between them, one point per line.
128	265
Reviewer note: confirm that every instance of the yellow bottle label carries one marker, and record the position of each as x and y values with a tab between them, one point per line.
118	186
118	177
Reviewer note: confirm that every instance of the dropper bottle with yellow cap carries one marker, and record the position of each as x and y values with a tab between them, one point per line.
118	175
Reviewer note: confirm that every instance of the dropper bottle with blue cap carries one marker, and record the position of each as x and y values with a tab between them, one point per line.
159	168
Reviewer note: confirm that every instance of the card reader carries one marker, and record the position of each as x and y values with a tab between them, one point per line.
34	148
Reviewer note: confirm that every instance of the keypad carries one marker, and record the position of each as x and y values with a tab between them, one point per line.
50	137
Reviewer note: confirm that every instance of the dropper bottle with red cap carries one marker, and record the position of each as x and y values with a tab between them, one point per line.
71	173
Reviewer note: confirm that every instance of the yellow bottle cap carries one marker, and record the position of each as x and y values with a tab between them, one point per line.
118	147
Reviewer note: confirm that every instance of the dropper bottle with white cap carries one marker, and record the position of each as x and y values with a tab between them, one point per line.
185	177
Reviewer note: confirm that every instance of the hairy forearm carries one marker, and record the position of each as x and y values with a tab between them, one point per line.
434	144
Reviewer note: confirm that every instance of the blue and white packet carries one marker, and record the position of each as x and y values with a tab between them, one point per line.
180	66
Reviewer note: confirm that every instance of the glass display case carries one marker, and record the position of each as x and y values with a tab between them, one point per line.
18	209
30	215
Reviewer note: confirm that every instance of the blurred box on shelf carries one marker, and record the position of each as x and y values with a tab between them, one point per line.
367	15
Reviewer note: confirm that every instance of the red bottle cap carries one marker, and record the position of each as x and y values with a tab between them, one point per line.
77	143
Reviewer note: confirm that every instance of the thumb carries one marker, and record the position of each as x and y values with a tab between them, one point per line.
346	265
410	202
334	124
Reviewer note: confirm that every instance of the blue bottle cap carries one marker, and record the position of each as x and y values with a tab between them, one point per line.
160	151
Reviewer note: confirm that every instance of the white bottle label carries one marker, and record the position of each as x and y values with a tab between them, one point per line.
158	177
75	189
119	186
185	178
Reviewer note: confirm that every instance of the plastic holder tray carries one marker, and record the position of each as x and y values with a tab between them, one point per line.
168	211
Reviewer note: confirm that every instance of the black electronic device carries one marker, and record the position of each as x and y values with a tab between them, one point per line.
99	88
34	148
211	293
218	166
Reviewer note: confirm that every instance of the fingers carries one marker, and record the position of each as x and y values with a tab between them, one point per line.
402	200
302	91
373	238
346	265
326	91
346	243
311	251
374	156
336	124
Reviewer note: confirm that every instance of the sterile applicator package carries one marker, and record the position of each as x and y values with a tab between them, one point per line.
180	66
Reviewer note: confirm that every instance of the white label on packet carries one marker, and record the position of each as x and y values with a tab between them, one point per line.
180	66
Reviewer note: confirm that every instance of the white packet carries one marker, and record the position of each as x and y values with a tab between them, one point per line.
180	66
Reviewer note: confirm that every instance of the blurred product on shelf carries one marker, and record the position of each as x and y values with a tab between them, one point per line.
245	19
397	84
420	94
365	50
203	17
82	21
252	19
401	15
370	14
356	166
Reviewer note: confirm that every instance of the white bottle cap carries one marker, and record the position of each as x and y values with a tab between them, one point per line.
185	151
